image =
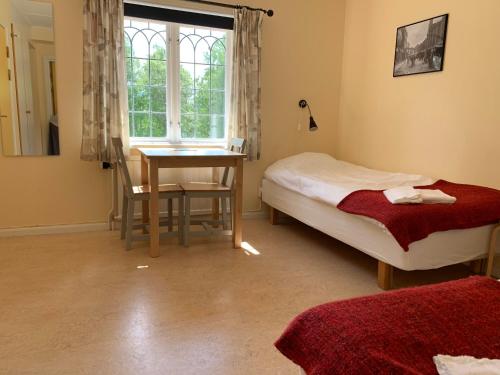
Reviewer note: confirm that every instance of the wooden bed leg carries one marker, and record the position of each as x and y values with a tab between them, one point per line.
492	250
274	213
476	266
385	272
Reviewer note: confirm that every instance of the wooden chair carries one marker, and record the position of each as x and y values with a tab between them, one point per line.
132	194
219	191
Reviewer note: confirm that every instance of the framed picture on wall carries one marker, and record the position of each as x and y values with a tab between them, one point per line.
420	47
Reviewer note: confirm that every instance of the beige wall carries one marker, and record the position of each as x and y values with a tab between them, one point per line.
302	58
443	124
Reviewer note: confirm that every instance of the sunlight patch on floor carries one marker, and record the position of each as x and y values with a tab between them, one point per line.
249	249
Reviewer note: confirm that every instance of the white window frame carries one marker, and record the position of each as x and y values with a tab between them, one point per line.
173	94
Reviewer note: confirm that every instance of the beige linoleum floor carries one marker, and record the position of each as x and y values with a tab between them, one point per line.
79	304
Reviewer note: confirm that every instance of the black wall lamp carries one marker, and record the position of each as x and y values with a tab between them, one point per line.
312	124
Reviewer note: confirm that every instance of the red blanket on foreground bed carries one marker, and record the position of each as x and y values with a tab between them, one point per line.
475	206
397	332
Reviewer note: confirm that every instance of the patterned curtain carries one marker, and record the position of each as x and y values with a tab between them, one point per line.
245	118
105	102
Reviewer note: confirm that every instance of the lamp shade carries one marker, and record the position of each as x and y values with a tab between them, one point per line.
312	124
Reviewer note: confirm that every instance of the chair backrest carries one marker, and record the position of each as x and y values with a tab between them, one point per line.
236	145
121	163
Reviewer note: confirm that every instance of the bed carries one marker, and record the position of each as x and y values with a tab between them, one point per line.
309	186
398	332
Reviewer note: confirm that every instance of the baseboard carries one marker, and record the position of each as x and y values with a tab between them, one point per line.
91	227
53	229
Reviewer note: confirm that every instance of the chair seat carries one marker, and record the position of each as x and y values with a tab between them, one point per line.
165	188
204	187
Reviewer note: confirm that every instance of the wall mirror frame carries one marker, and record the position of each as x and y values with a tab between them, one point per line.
28	80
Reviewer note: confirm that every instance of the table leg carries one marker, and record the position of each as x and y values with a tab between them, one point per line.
238	204
154	229
145	181
215	202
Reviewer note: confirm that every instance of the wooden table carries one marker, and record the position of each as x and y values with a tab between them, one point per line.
152	159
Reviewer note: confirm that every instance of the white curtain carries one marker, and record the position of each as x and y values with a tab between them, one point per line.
245	114
105	102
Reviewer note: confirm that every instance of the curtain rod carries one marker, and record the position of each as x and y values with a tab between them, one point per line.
269	12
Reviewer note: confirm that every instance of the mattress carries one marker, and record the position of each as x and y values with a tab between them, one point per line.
324	178
371	237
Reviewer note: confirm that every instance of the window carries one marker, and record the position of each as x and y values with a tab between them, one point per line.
177	81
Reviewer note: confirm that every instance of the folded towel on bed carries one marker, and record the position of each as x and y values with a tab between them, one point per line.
465	365
409	195
403	195
435	196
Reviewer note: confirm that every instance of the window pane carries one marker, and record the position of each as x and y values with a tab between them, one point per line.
158	72
186	50
202	75
187	101
218	56
218	102
218	126
146	43
131	124
201	100
202	126
203	82
140	45
140	71
187	126
141	98
159	99
128	46
141	125
159	124
218	78
158	47
202	52
187	76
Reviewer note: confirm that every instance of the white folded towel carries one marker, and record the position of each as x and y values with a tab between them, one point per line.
465	365
407	194
402	195
435	196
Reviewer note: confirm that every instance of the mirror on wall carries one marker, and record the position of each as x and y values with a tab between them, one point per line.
28	84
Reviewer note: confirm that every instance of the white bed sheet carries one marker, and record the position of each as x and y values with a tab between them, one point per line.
321	177
438	250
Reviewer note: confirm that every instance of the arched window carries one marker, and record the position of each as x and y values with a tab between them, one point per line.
181	83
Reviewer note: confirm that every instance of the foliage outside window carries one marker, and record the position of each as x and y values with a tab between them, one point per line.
177	91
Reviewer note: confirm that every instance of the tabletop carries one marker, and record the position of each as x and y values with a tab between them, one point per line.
188	152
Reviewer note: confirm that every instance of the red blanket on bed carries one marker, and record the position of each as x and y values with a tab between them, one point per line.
475	206
397	332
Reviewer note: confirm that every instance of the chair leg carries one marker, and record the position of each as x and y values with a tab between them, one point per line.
231	205
187	220
170	216
124	216
130	224
180	220
225	220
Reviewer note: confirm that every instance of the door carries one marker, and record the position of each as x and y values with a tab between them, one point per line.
7	133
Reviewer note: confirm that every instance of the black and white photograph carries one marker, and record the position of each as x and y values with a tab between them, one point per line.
420	47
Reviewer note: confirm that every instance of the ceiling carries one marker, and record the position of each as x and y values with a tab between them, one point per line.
36	13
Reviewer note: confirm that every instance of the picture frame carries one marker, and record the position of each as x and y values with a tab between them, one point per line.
420	47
